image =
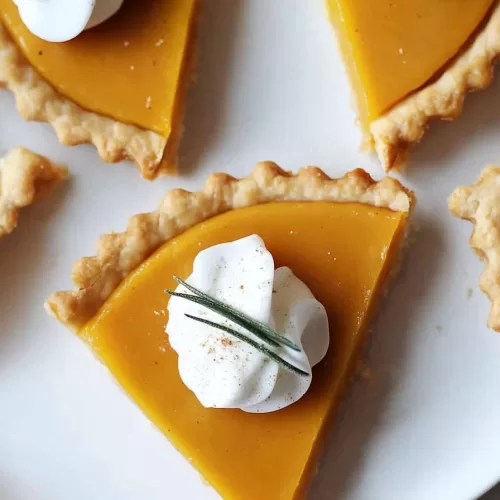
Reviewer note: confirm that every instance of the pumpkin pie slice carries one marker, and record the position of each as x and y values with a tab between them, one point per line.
119	86
341	237
411	61
479	204
24	178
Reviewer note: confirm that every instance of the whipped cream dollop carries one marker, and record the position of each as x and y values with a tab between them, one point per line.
62	20
225	372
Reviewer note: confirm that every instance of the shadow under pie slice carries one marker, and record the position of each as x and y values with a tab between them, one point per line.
412	61
24	178
341	237
120	86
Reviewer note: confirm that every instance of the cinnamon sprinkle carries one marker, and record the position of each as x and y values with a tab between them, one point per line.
226	342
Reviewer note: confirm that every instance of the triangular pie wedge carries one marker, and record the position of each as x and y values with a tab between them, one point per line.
411	61
24	178
342	237
120	86
479	204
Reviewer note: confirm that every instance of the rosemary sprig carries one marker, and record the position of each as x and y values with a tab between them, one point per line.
260	330
256	327
256	345
209	305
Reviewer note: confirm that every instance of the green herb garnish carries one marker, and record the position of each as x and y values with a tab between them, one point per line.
256	345
256	327
259	329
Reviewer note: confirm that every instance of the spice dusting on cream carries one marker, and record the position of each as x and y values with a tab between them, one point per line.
225	371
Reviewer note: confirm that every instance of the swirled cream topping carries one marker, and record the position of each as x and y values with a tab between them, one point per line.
226	372
62	20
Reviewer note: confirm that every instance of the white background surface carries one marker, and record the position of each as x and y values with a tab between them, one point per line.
270	85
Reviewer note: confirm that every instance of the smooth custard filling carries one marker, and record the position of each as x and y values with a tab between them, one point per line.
342	252
392	48
131	68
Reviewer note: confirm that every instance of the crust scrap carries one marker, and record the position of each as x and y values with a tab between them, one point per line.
24	177
39	101
118	254
404	125
479	204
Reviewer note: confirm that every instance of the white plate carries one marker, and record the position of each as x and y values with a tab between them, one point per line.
270	86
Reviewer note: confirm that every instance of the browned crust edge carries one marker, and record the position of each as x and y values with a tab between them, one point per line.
37	100
479	204
404	125
118	254
24	177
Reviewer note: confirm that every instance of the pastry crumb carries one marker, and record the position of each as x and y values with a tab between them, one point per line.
148	102
126	43
203	480
469	293
159	42
439	328
364	371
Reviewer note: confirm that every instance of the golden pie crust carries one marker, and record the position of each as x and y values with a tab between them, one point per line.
24	177
38	100
479	204
118	254
404	125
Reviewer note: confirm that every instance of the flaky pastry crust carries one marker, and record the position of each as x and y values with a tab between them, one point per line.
39	101
118	254
24	177
480	203
404	125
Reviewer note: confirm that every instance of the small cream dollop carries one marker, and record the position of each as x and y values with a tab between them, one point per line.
225	372
62	20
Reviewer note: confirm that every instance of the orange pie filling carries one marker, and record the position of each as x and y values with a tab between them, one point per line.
132	68
392	48
343	253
